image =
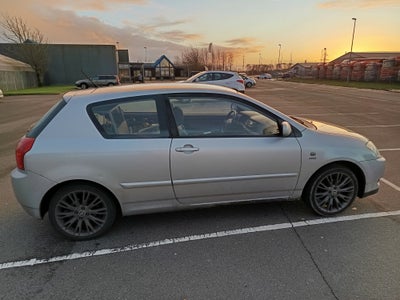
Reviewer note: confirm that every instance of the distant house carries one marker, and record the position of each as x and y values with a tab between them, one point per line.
303	70
162	68
15	75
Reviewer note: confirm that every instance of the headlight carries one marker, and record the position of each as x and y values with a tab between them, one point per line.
370	145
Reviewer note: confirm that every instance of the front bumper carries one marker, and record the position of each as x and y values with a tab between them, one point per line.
373	170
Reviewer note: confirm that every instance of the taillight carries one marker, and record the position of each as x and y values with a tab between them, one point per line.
240	80
24	145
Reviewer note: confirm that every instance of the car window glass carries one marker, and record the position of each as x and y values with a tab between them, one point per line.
201	116
128	119
222	76
204	77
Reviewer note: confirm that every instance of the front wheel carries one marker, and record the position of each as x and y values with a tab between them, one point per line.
331	190
81	211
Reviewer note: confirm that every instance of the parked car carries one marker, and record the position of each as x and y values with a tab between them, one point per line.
264	76
222	78
97	81
161	147
248	81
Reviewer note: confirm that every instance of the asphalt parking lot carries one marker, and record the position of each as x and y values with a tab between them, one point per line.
277	250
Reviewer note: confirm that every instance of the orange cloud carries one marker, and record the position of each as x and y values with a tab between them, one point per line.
241	41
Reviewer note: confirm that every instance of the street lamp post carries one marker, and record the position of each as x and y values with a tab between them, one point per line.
279	55
145	59
351	48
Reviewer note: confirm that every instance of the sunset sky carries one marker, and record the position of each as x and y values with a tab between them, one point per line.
252	29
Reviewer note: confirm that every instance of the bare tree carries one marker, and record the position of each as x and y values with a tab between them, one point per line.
194	59
30	44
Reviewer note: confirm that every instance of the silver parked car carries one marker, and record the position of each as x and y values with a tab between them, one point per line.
130	150
97	81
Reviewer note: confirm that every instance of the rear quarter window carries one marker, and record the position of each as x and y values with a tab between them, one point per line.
45	120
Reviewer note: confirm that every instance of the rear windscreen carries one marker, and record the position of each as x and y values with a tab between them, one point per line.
42	123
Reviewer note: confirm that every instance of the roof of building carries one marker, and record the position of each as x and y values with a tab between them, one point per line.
158	61
10	64
368	55
304	65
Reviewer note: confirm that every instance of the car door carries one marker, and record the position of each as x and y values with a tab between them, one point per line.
135	154
230	151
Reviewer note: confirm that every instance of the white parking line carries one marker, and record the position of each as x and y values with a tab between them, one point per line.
392	185
389	149
338	114
374	126
219	234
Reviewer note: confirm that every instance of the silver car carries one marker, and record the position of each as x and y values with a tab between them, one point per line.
97	81
130	150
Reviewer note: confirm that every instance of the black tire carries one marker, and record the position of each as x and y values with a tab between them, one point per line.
110	84
84	86
249	85
331	190
81	211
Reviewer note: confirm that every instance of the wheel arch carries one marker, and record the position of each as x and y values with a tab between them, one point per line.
44	206
350	165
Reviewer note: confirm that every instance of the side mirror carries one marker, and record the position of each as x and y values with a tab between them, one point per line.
286	129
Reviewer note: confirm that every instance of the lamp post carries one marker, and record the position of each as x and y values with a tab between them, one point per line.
279	55
145	54
351	47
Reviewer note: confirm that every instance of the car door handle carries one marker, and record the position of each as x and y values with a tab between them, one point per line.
187	149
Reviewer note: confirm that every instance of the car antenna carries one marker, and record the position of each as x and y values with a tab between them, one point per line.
88	78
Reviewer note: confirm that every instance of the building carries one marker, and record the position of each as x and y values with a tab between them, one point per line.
15	75
303	70
68	63
364	55
162	68
355	66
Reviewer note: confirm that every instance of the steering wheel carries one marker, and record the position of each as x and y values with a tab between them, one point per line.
229	121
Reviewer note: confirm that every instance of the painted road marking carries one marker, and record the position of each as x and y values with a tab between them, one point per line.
338	114
392	185
389	149
373	126
198	237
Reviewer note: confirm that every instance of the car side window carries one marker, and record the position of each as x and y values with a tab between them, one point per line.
221	76
204	77
135	118
215	116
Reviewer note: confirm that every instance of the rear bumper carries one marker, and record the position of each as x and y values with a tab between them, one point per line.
29	189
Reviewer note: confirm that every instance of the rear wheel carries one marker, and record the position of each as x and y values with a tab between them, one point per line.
81	211
331	190
249	84
84	86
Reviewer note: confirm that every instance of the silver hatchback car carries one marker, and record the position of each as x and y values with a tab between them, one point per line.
130	150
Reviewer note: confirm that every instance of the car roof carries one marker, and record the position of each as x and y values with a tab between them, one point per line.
105	93
217	71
